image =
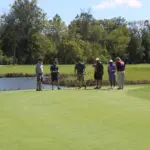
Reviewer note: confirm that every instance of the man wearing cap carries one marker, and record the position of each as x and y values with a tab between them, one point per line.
111	73
120	64
80	72
98	73
39	74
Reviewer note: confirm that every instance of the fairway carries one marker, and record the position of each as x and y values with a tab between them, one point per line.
76	119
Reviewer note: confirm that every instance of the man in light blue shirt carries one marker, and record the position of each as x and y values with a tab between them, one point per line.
39	74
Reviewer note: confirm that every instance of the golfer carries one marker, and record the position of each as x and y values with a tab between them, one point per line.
111	74
39	74
54	69
98	73
121	72
80	72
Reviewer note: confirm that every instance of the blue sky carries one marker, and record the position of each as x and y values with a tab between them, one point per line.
68	9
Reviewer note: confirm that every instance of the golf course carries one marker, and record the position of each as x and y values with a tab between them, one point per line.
72	119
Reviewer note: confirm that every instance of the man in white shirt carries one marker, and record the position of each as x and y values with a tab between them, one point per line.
39	74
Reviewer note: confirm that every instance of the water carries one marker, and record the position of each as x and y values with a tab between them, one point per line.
21	83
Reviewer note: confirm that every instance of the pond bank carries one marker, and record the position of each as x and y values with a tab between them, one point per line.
67	79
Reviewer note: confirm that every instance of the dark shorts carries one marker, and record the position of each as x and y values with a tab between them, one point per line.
54	77
98	76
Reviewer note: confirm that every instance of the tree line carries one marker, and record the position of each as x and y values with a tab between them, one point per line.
26	34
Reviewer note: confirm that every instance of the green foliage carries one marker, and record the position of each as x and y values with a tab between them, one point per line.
70	51
26	34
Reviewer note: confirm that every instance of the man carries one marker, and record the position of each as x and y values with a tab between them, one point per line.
39	74
111	74
80	72
54	69
98	73
121	72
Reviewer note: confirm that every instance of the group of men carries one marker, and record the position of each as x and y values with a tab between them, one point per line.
80	71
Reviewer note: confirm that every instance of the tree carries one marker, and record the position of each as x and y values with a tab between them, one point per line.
135	48
24	19
69	51
41	47
56	29
117	41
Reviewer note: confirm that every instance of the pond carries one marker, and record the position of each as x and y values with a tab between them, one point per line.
21	83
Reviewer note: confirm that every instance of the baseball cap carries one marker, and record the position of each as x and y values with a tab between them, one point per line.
118	58
97	59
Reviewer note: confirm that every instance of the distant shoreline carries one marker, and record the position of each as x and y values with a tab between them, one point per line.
65	80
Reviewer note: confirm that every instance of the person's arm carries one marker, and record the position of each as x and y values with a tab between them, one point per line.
102	69
117	66
36	71
75	69
84	69
51	69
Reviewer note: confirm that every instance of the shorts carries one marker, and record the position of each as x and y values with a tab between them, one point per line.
112	77
80	77
54	77
98	76
39	77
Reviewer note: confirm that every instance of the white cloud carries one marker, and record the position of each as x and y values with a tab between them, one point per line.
114	3
105	4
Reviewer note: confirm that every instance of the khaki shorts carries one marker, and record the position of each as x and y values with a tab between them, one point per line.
80	77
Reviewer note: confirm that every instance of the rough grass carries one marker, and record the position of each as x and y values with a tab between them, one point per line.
75	120
133	72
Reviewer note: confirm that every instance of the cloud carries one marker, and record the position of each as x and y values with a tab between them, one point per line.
105	4
114	3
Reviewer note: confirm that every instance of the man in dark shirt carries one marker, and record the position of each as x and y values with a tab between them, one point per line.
98	74
54	69
120	64
80	72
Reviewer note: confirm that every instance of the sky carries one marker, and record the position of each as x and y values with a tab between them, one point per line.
101	9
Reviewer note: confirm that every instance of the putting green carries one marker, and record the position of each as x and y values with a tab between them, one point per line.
75	120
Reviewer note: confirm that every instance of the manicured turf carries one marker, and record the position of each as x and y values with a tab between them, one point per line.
75	120
133	72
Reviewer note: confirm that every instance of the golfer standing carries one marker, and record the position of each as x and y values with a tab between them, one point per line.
80	72
39	74
54	69
121	72
98	73
112	74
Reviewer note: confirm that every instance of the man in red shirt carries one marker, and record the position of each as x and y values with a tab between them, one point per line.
120	64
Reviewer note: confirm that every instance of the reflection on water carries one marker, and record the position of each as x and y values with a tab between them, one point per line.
19	83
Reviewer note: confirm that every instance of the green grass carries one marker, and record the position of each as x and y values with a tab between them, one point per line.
133	72
75	120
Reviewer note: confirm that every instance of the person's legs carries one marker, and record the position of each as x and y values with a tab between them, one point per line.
119	80
122	80
79	80
114	81
38	83
52	85
58	87
110	80
100	83
97	82
83	81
